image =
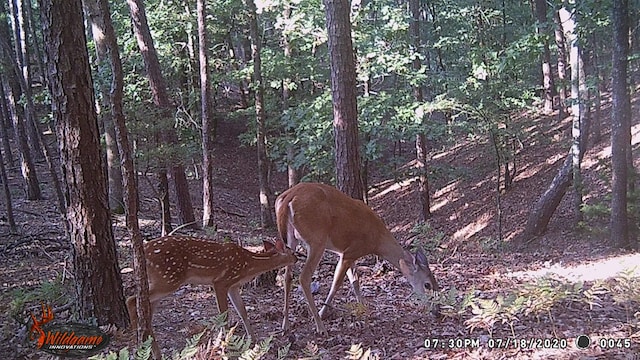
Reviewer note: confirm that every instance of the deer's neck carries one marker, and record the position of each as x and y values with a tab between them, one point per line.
390	250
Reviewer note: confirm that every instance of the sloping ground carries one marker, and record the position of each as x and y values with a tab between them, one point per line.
564	284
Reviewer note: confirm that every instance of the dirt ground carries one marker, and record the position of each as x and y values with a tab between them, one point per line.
466	254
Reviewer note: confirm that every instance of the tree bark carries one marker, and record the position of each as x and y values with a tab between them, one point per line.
579	95
5	122
621	126
293	173
3	172
21	31
266	200
343	93
98	283
27	165
562	64
12	92
421	139
207	123
114	171
5	127
548	85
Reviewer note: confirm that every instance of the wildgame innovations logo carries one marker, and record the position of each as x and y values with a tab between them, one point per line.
69	339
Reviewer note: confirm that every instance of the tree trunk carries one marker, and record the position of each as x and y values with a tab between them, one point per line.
161	99
421	146
596	120
165	205
621	126
23	57
548	85
579	95
562	64
114	170
207	128
144	329
266	217
3	176
343	93
4	124
11	89
98	282
27	165
544	208
293	173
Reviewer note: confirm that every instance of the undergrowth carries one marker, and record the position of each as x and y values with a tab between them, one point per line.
539	299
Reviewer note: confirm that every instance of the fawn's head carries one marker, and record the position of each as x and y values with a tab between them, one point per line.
280	250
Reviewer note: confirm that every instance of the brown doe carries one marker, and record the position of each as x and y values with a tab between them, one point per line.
173	261
327	219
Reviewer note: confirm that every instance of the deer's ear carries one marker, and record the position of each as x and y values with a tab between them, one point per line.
420	259
268	246
405	267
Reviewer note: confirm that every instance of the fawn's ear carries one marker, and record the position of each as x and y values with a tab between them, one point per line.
268	246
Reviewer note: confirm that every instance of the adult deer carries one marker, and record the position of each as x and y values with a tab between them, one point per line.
325	218
173	261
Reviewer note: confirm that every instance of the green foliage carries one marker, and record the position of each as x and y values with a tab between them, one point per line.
492	244
596	211
141	353
48	292
311	351
538	299
426	238
191	348
626	289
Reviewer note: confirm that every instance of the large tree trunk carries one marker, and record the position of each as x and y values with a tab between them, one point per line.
144	329
98	283
343	93
266	217
207	123
161	99
621	126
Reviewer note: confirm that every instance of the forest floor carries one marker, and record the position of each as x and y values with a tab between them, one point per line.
544	293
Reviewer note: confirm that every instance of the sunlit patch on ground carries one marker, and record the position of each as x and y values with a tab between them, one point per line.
590	270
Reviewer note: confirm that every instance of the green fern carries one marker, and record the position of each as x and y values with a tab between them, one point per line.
357	352
191	348
144	351
258	350
284	351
